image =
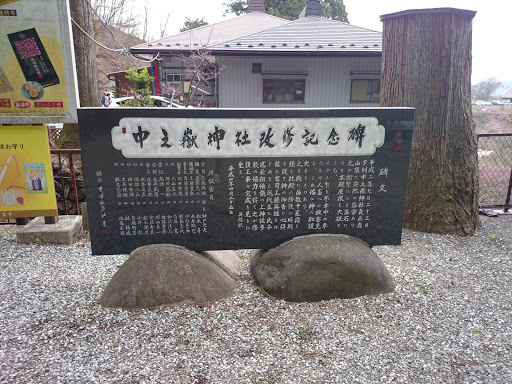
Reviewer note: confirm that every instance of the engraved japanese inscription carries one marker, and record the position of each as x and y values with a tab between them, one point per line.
243	179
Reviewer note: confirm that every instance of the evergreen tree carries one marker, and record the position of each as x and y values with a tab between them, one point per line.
191	24
290	9
141	91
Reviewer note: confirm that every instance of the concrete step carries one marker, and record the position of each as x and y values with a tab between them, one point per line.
66	231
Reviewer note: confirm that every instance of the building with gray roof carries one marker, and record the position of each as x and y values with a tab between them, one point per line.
262	61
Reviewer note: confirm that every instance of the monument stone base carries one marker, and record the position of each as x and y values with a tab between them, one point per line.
165	275
320	267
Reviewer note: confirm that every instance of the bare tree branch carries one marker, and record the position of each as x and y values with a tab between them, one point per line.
163	25
122	14
172	91
201	68
484	89
145	21
111	12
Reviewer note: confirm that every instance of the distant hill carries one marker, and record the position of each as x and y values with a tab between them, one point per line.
109	61
506	86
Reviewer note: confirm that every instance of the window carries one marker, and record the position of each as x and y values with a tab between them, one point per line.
173	78
283	91
365	91
256	67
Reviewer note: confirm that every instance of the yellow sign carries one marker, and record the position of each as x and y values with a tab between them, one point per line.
5	2
36	64
26	175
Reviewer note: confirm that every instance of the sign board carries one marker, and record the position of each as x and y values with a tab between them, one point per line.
37	64
228	179
26	176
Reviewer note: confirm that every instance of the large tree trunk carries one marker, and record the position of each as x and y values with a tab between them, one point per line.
426	64
86	68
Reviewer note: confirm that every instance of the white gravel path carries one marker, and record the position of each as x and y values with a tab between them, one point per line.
449	320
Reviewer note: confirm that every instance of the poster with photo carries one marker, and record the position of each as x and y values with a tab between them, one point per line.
35	178
26	179
37	70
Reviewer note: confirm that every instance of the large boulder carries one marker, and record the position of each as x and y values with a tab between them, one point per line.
228	261
320	267
164	274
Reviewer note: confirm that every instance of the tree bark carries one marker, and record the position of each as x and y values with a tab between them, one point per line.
426	64
85	54
86	67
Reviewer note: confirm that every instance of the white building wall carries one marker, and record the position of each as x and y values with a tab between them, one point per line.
328	80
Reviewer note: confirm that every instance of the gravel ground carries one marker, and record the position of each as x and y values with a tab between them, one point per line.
449	320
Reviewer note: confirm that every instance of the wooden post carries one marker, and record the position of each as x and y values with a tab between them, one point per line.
426	64
51	219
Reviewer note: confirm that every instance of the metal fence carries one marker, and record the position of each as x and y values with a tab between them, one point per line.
66	180
495	166
54	131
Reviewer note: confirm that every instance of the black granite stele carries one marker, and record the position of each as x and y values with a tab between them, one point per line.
259	202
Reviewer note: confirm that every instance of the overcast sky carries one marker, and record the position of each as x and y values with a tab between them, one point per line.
492	35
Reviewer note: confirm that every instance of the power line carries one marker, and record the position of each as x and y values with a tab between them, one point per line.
124	51
105	25
98	43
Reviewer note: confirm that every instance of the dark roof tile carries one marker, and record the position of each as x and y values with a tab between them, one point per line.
217	33
308	34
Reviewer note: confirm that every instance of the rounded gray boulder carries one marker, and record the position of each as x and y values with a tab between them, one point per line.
321	267
164	274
